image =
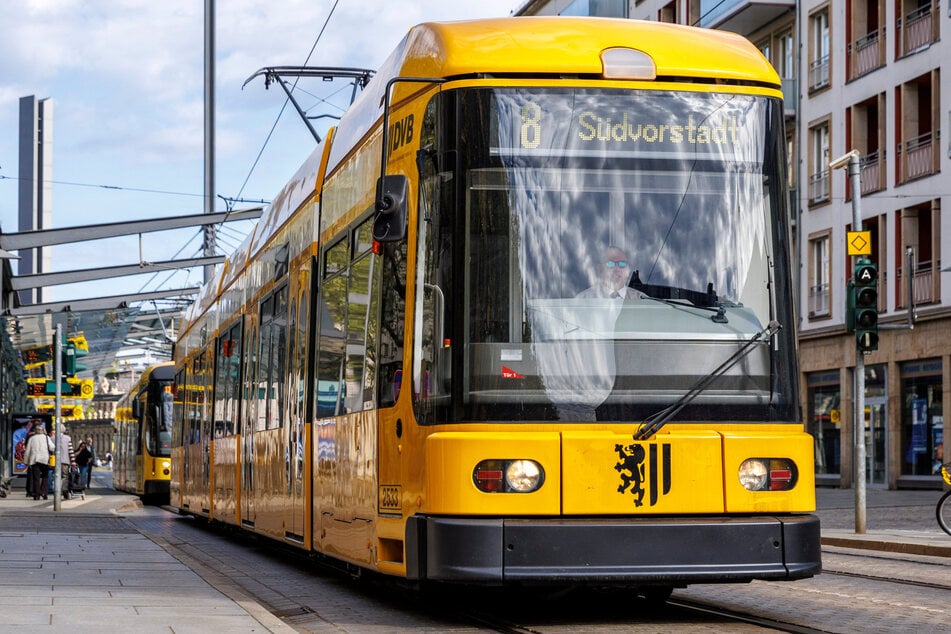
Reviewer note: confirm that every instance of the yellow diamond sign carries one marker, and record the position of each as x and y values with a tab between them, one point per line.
859	242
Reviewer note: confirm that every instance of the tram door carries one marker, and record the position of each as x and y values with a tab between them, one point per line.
247	432
207	382
296	388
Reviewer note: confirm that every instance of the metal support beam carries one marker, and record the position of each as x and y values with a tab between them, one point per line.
100	303
42	280
69	235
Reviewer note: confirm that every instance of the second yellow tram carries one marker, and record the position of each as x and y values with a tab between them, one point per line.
141	441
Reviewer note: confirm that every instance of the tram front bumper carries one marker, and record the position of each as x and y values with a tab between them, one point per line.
656	550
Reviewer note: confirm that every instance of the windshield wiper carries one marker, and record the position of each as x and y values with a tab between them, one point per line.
653	423
719	309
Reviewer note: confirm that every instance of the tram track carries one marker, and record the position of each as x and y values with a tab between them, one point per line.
675	612
927	567
740	617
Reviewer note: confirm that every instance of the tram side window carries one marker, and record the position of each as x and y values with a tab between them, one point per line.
348	320
263	387
249	385
272	366
332	321
361	322
392	317
279	358
206	381
227	382
193	400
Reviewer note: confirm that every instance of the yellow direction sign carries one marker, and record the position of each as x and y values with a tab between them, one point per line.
859	242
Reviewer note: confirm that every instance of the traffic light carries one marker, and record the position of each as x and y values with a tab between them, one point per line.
73	349
864	299
69	360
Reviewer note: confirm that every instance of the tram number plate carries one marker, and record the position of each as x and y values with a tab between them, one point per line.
390	499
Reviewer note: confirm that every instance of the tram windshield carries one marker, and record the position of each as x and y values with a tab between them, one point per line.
158	419
591	255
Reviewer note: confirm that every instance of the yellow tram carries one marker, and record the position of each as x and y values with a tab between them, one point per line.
142	436
413	365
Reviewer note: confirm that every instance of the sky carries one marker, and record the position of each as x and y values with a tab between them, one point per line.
126	80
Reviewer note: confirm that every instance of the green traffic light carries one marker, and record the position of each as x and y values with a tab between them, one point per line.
864	305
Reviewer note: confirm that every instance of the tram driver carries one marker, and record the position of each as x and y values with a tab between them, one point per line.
613	276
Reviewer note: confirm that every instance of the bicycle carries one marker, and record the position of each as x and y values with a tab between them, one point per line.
943	511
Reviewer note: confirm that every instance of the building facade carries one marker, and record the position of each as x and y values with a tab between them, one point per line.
862	76
872	82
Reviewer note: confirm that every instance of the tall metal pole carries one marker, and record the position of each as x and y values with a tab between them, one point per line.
209	242
57	419
858	418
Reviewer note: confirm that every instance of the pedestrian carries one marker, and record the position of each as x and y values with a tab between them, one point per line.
93	463
38	451
31	430
64	458
84	460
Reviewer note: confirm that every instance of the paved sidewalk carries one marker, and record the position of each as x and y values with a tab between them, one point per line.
86	568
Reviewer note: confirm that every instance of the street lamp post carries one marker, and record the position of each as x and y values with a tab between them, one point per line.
851	160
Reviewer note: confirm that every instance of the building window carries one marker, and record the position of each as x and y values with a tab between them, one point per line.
819	163
786	67
668	13
819	275
922	418
825	420
819	49
598	8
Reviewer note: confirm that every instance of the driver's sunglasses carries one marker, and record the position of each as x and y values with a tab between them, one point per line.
621	264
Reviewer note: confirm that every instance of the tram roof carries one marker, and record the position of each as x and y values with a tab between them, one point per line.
556	44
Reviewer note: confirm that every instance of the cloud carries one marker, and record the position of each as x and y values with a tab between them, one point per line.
126	79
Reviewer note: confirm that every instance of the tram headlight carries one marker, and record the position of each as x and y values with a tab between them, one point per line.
166	467
508	476
523	476
767	474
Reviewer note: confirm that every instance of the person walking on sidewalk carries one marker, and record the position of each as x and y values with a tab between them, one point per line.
84	460
38	451
95	460
64	457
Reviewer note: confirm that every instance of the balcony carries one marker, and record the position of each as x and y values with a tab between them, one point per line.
916	157
872	175
918	30
923	285
742	16
866	54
